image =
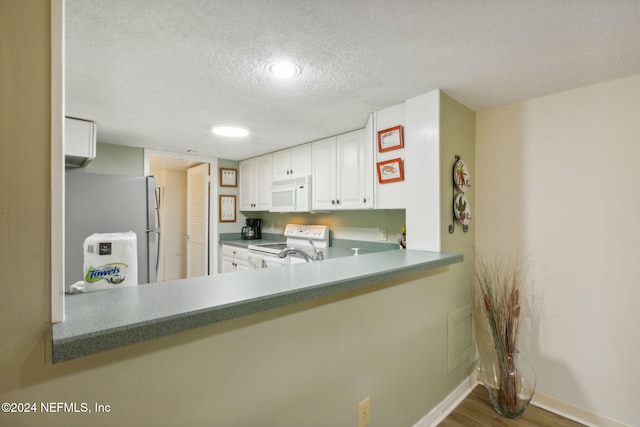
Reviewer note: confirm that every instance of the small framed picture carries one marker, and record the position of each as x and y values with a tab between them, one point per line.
390	139
390	171
227	208
228	177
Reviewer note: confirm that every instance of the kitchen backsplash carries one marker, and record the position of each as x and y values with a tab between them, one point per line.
344	225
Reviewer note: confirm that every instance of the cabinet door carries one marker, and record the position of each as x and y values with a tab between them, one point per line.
263	177
281	165
242	265
351	170
323	183
79	138
246	186
301	161
228	265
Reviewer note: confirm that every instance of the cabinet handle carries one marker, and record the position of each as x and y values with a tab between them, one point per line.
291	171
333	202
287	172
364	200
337	202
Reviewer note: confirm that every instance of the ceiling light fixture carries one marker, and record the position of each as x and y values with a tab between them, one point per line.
230	131
283	70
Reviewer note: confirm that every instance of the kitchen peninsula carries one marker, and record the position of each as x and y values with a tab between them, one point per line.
101	321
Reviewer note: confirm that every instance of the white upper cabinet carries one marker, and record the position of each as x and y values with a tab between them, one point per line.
323	181
350	180
341	166
255	183
292	163
79	142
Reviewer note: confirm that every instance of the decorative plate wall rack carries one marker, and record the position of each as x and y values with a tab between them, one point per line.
461	206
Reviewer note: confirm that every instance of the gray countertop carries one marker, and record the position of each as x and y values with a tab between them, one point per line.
103	320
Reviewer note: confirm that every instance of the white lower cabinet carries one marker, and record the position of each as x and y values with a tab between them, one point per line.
340	168
234	259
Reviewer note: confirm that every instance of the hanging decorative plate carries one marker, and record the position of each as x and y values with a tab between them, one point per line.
461	176
461	209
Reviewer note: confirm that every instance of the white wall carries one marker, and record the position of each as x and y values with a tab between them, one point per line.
389	196
557	179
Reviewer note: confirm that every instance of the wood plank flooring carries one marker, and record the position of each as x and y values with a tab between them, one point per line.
476	411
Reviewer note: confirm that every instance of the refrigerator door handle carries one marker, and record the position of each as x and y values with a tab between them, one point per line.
158	229
159	233
153	226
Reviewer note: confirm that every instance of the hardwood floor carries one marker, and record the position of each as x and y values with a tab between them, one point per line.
476	411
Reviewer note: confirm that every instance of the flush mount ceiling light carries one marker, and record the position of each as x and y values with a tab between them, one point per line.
283	70
230	131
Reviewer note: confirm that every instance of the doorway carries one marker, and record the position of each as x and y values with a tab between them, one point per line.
176	204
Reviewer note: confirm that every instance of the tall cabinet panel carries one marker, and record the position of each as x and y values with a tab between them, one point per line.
255	184
324	165
263	183
351	170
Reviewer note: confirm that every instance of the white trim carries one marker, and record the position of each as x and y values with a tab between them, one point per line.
148	153
444	408
541	400
574	413
57	161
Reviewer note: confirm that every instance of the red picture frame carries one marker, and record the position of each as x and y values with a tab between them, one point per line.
390	171
390	139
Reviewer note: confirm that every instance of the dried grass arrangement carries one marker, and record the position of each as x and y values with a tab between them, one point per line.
500	287
499	284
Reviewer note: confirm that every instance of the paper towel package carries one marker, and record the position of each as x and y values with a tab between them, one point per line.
110	261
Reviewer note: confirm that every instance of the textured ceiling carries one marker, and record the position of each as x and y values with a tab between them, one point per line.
159	73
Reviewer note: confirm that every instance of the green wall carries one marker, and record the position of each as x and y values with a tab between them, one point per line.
114	159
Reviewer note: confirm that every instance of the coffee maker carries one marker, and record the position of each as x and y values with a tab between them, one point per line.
253	229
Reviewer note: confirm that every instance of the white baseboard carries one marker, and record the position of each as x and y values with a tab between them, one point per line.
444	408
574	413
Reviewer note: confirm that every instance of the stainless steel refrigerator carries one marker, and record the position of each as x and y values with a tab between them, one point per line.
96	203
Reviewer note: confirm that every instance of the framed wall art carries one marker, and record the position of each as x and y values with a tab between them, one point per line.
390	139
228	177
390	171
227	208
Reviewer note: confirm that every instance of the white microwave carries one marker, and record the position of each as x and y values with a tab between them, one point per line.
291	195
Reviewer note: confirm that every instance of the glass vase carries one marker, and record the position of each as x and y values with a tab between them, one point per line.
510	381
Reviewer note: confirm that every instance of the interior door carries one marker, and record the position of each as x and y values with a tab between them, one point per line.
198	220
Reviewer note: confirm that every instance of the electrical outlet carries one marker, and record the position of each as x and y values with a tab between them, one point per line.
364	412
384	234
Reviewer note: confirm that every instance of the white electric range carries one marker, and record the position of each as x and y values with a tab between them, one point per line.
298	237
